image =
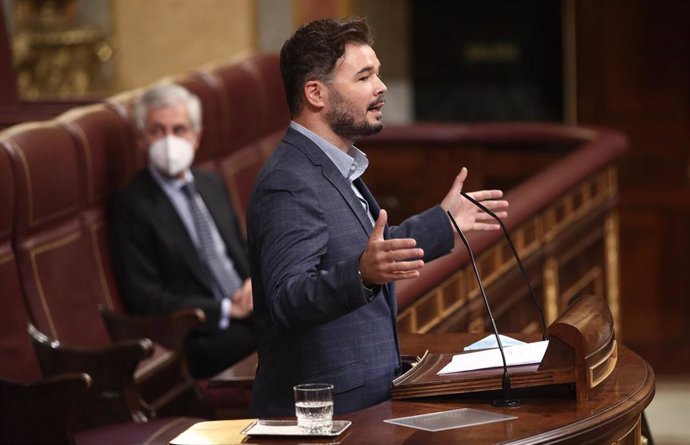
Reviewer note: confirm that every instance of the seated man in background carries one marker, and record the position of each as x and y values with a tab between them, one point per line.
175	238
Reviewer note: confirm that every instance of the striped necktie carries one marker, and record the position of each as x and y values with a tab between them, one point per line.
226	281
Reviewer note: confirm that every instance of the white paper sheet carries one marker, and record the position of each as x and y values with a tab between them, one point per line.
526	354
489	342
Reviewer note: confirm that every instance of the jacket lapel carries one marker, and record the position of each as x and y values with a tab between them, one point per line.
331	173
172	228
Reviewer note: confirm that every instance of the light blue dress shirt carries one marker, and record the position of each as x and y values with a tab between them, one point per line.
351	165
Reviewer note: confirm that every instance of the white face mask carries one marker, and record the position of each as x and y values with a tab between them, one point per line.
171	155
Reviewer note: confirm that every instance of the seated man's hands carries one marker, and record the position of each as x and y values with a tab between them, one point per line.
242	302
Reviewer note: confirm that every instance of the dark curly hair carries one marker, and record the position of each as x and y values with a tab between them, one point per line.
313	50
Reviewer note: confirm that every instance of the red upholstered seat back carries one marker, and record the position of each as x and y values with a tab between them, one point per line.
53	257
213	113
239	90
121	104
108	156
257	116
17	357
239	172
276	115
107	143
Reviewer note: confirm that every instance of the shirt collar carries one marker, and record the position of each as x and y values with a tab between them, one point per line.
351	165
171	184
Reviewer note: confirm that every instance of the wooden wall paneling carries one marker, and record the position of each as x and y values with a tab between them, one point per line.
633	74
654	278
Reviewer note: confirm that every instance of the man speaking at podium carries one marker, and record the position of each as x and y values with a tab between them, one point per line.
323	258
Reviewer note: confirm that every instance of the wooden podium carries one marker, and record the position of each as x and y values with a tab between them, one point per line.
582	351
548	414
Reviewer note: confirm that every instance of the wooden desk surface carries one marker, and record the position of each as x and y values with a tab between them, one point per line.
548	415
240	374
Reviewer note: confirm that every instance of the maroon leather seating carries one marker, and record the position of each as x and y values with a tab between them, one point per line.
56	178
213	117
17	359
239	92
60	281
25	396
107	154
109	157
275	115
52	249
257	116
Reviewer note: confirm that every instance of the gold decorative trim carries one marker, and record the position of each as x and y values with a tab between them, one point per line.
591	276
99	263
551	290
449	299
442	299
37	279
599	371
86	149
155	437
476	325
532	327
612	268
6	258
25	164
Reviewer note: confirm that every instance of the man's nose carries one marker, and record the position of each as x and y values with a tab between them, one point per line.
382	87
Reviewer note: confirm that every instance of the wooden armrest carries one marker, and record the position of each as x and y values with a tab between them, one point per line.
168	330
114	395
40	411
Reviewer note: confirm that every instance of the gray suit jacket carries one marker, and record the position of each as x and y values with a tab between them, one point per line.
315	321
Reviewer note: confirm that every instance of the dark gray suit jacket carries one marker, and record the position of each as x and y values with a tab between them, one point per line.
315	321
156	263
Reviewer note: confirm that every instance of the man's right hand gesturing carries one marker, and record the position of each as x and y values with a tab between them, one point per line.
386	260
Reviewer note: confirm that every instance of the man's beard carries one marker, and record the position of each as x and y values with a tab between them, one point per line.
342	118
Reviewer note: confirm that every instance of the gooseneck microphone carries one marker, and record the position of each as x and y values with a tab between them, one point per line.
517	259
507	401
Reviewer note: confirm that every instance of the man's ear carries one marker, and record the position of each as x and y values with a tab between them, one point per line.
141	143
197	140
314	93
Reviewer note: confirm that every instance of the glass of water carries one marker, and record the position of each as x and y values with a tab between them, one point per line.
314	407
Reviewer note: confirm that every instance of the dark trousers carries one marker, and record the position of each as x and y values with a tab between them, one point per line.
209	354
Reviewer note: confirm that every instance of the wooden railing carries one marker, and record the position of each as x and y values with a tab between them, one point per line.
562	218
